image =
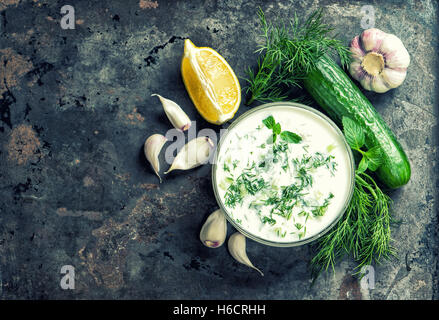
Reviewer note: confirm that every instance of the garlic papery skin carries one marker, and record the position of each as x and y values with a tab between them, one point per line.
175	113
214	230
379	60
194	153
237	248
152	147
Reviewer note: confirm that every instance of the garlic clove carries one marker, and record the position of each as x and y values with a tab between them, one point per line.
355	48
237	248
394	77
379	85
152	148
175	113
356	70
371	39
366	83
395	53
195	153
214	230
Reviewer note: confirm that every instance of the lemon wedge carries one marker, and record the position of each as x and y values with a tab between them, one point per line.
210	82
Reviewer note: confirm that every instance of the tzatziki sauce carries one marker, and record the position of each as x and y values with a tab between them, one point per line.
283	173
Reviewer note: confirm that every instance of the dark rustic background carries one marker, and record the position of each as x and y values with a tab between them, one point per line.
75	109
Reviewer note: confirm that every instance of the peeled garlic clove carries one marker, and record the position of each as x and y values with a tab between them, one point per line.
237	246
195	153
152	148
214	230
379	60
175	113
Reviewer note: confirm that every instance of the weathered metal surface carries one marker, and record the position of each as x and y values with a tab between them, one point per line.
75	109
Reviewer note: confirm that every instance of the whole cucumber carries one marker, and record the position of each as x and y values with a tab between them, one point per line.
335	92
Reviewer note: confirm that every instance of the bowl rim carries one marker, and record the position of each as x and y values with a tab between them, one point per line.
215	165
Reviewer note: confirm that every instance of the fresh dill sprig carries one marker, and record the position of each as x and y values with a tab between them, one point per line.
364	229
289	53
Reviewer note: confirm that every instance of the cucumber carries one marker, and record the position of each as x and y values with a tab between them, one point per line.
335	92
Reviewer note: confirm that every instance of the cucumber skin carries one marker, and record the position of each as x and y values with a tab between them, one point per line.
337	94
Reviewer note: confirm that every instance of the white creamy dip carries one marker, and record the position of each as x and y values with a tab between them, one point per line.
289	190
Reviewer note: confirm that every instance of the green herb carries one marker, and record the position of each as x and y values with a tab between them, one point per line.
268	220
290	137
290	51
321	210
233	195
354	133
307	162
247	181
285	165
277	129
279	232
364	230
269	122
302	234
304	214
287	136
283	203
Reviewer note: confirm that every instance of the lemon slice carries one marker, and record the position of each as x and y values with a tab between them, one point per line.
210	82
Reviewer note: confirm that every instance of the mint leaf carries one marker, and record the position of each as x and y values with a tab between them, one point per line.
290	137
353	133
276	128
269	122
375	158
362	166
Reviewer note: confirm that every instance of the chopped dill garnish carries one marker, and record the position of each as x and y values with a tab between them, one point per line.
268	220
279	232
247	180
302	234
321	210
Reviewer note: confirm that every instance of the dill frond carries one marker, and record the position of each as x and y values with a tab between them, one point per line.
289	53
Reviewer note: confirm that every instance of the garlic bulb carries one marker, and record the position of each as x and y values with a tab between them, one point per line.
175	113
195	153
152	148
379	60
237	246
214	230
